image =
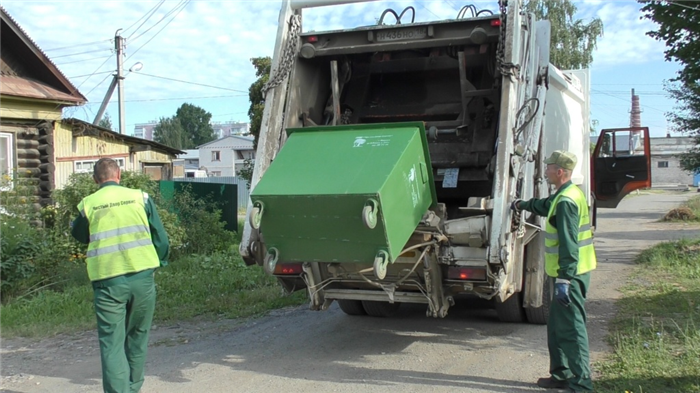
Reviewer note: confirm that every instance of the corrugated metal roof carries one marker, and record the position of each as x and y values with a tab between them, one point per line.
83	128
41	56
27	88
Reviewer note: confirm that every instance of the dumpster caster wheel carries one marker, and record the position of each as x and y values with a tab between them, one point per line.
369	214
271	260
380	263
256	215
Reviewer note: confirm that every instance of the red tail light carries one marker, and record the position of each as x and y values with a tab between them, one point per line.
288	269
496	22
466	273
312	39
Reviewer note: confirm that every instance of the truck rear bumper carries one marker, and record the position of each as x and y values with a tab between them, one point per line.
380	296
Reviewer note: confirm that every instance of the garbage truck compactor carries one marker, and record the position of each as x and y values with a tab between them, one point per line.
389	155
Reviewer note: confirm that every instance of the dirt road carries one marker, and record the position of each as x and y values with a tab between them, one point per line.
296	350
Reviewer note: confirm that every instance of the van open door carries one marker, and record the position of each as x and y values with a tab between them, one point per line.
621	164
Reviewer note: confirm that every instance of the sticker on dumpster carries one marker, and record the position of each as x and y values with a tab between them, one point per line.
413	184
373	141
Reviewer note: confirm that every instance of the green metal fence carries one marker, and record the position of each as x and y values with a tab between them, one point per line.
225	196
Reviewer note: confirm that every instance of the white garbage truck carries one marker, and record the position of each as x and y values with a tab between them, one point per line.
389	155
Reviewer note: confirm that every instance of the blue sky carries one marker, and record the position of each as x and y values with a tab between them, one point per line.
203	49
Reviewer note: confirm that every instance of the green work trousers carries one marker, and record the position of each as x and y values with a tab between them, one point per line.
567	338
124	307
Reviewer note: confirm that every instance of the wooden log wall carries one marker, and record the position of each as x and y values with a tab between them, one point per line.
35	160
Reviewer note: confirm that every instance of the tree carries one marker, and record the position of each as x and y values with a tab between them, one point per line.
679	28
196	123
106	122
257	98
687	119
169	132
572	41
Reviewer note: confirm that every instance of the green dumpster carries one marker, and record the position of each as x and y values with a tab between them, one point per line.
345	194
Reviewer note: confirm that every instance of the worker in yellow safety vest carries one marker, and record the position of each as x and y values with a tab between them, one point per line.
126	243
569	260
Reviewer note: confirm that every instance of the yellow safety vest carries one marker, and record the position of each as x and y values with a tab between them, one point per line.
586	253
120	237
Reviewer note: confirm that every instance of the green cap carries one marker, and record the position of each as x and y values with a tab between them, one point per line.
562	159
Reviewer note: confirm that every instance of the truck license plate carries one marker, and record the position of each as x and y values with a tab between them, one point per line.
415	33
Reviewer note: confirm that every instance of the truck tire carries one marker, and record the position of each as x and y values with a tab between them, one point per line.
380	309
540	315
512	309
352	307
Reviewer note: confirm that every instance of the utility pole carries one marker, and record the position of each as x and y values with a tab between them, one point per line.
119	45
118	80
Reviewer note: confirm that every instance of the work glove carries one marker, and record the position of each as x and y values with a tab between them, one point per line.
561	291
514	206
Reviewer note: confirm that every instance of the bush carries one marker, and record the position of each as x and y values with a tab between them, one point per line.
200	219
17	250
34	256
81	185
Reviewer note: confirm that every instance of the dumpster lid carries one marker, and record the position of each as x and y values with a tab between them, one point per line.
382	126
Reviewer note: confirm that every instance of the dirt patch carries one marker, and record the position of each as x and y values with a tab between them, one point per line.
681	213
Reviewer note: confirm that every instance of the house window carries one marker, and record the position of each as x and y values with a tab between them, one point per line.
215	173
216	155
663	164
86	166
7	153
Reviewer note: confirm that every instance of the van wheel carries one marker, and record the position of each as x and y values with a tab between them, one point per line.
352	307
511	310
380	309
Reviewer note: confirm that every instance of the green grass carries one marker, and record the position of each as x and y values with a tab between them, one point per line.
694	205
194	286
656	335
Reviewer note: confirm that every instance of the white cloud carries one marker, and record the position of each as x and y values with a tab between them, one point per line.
211	42
624	40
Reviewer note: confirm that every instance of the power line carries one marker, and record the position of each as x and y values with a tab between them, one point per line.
184	4
172	99
90	59
147	15
96	73
619	98
96	86
684	6
190	83
81	53
180	5
75	46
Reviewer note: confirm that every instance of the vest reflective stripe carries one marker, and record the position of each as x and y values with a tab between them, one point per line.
555	236
118	232
586	252
120	237
119	247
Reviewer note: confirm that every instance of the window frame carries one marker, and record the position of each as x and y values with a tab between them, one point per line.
121	161
665	164
217	154
8	138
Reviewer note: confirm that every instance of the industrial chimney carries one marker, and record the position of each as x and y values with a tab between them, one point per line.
635	113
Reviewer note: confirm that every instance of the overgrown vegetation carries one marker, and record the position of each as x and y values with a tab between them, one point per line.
45	289
687	211
656	336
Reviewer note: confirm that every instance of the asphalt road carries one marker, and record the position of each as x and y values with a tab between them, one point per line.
296	350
